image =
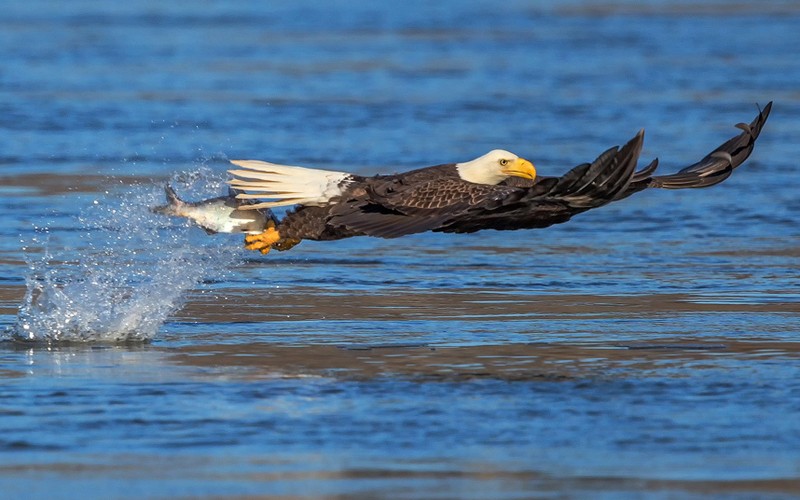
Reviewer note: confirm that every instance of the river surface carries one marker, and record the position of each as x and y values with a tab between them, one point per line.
649	348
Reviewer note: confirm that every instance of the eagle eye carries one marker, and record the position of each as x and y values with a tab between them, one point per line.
504	162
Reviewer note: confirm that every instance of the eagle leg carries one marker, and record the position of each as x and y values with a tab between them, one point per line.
286	243
263	241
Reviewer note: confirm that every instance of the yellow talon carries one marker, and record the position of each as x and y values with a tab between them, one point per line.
263	241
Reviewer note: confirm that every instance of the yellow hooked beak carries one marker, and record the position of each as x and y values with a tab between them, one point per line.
520	168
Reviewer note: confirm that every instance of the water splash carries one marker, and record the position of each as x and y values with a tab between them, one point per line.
127	272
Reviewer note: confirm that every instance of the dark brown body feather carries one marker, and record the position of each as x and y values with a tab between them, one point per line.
436	199
387	205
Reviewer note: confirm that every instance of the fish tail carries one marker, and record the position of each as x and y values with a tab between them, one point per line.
173	203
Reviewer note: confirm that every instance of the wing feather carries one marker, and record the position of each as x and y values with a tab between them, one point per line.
416	207
555	200
714	168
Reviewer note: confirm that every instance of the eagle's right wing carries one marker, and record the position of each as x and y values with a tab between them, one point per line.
714	168
554	200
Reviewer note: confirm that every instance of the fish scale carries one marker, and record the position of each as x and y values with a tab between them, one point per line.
217	215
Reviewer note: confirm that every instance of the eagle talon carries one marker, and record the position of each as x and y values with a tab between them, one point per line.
263	241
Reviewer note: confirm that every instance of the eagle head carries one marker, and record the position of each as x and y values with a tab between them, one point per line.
494	167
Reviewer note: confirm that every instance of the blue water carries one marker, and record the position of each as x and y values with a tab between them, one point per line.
648	348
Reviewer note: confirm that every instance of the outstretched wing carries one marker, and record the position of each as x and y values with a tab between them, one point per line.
714	168
610	177
554	200
395	208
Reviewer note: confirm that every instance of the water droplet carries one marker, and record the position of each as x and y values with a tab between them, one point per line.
127	278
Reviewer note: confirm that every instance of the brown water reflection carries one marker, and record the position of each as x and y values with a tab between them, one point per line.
518	362
301	303
10	298
416	480
52	184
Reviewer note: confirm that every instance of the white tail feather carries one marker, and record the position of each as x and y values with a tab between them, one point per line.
286	185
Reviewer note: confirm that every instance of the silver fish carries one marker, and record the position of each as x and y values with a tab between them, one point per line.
216	215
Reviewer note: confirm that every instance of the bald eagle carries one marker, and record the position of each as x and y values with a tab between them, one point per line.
496	191
334	205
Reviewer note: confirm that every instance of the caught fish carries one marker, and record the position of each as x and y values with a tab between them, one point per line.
216	215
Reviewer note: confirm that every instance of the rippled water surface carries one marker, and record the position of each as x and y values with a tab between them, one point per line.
648	348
